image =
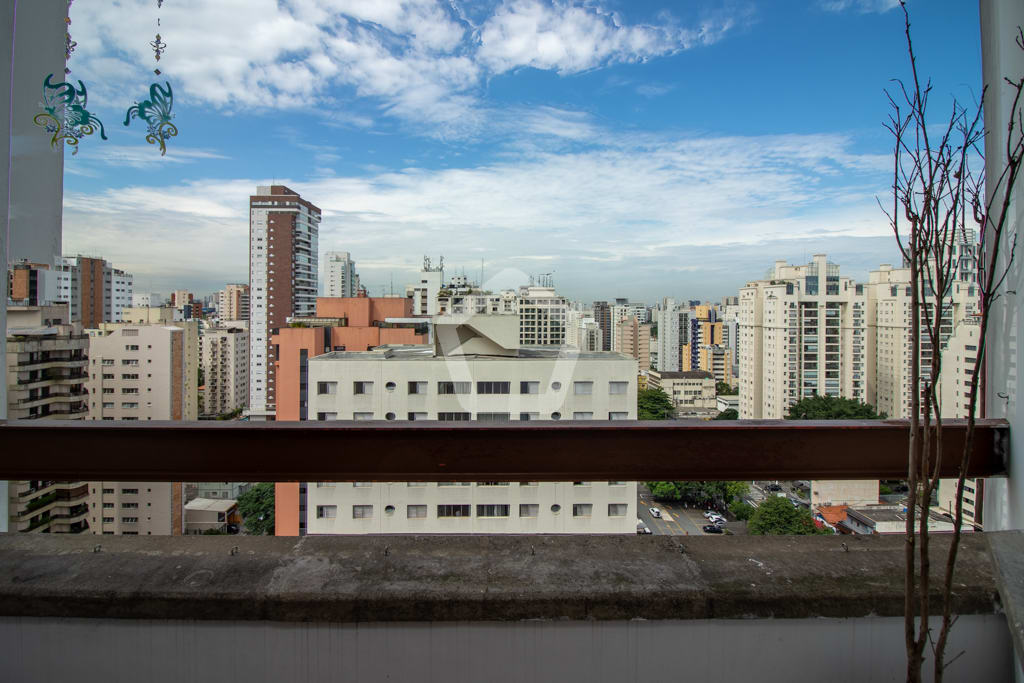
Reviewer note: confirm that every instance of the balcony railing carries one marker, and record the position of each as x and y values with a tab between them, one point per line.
536	451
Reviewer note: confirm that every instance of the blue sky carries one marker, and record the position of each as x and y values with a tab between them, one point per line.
639	149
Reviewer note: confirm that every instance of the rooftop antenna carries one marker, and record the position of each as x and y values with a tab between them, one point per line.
481	272
392	283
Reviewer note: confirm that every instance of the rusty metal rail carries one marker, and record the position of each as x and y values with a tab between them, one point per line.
438	451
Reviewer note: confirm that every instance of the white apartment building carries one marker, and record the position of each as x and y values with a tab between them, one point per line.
542	316
95	290
474	372
283	266
504	302
692	392
340	277
425	292
802	333
225	362
46	364
138	372
673	331
125	508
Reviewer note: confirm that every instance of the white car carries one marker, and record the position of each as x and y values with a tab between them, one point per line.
708	514
715	518
655	512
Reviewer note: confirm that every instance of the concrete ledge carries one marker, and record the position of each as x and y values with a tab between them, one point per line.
471	578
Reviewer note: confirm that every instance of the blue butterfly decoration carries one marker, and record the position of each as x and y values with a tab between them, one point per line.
64	114
156	112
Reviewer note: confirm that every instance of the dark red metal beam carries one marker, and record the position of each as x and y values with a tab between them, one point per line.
438	451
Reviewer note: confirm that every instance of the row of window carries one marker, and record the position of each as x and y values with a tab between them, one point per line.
480	417
526	510
583	388
368	484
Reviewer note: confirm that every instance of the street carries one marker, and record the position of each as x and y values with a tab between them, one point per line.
675	520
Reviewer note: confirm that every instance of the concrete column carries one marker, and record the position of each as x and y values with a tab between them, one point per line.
1001	57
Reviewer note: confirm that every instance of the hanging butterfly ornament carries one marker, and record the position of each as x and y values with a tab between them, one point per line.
156	111
64	114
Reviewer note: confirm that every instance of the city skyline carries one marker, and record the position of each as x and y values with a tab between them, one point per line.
669	149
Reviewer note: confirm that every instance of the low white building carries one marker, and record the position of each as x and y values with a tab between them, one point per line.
474	371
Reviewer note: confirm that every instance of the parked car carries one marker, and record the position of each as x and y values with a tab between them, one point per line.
714	518
773	487
641	530
712	529
655	512
708	514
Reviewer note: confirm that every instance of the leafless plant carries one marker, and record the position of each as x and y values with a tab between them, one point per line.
938	201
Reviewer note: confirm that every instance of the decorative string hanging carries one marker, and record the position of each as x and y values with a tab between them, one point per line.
64	114
156	111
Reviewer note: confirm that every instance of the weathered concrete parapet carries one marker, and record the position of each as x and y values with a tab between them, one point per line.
471	578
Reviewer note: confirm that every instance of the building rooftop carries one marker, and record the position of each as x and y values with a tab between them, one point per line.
427	352
218	505
685	374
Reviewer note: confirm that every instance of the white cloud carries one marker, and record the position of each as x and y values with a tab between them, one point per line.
628	202
860	5
421	61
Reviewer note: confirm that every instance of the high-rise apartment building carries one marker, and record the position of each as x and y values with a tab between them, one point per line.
603	317
803	333
283	234
475	371
46	364
713	358
133	508
673	330
340	277
542	316
32	284
225	363
137	372
633	338
425	292
96	291
233	303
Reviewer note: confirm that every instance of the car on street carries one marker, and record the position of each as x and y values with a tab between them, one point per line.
715	518
641	530
655	512
712	529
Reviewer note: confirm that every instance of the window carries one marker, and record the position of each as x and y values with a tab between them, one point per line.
582	509
108	520
453	510
129	520
526	417
131	347
129	492
583	416
362	387
453	483
416	511
108	491
527	483
129	391
415	483
326	511
615	509
417	387
108	404
107	375
493	387
616	483
412	417
326	388
618	416
128	376
131	362
581	483
325	484
362	416
362	484
583	388
528	509
529	387
492	510
108	390
453	417
326	416
493	417
108	505
493	483
454	387
129	506
362	511
129	405
618	387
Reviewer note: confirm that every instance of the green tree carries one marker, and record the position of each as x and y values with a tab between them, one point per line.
776	516
214	532
728	414
723	389
832	408
740	510
700	493
654	404
257	509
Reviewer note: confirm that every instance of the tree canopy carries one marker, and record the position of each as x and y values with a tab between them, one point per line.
832	408
723	389
776	516
257	509
654	404
728	414
700	493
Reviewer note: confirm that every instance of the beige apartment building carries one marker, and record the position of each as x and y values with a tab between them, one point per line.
542	316
225	362
233	303
138	372
692	391
634	339
135	508
713	358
